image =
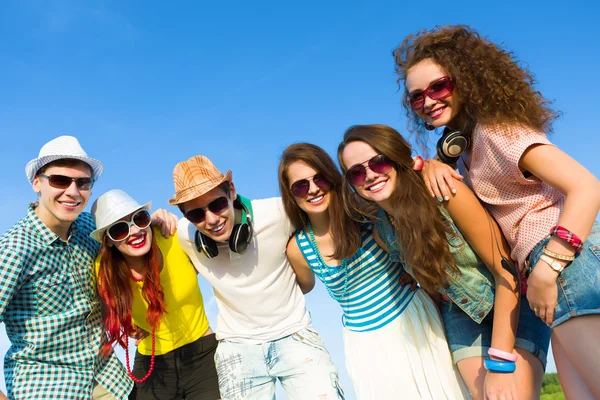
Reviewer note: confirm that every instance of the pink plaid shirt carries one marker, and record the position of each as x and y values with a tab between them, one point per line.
525	208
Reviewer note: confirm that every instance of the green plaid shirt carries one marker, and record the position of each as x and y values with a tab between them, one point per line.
49	304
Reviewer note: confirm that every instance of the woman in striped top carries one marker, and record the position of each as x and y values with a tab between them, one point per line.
470	267
393	337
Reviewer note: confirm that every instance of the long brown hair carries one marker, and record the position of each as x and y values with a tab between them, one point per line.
420	228
345	231
114	288
493	86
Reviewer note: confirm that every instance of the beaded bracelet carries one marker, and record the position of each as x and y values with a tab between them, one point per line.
502	354
569	237
504	367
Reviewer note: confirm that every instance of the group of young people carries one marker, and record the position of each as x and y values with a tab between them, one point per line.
506	254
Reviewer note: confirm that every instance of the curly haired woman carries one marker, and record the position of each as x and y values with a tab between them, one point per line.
496	127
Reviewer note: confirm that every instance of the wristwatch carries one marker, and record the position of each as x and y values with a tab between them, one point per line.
554	264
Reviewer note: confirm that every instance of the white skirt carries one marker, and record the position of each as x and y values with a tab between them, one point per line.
408	358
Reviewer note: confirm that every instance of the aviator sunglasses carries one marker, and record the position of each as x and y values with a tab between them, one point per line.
63	182
357	174
217	206
301	187
437	90
121	230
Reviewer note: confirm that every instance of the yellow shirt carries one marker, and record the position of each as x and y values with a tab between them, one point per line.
185	320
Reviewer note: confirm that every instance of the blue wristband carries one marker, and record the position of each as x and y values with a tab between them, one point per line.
503	367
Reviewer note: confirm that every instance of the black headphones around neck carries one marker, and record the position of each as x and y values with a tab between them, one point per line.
241	234
451	145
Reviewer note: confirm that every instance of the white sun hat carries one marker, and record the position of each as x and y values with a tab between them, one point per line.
111	207
60	148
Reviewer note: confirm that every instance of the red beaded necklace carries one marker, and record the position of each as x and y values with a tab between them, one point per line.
138	380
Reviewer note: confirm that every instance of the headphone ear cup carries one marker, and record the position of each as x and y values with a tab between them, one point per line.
240	238
451	145
206	245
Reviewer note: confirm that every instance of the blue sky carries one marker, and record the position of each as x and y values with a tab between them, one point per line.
144	85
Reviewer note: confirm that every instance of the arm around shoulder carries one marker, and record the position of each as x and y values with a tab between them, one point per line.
304	276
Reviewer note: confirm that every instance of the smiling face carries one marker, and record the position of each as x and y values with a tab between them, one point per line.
58	208
218	226
137	244
435	112
377	187
317	199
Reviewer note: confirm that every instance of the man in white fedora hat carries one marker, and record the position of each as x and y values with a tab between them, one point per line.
263	327
48	298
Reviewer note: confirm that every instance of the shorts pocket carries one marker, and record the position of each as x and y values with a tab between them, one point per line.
310	337
596	251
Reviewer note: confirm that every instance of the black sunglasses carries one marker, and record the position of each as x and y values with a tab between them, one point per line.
63	182
217	206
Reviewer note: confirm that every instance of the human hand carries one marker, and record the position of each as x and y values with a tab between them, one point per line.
542	292
138	334
406	279
500	386
439	179
166	220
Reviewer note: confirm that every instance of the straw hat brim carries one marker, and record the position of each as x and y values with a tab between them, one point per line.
98	234
196	191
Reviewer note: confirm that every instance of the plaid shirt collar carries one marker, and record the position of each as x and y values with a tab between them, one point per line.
39	228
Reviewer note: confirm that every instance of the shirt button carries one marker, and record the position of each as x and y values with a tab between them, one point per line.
446	285
481	314
464	300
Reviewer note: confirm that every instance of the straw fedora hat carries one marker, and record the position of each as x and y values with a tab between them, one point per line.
111	207
195	177
60	148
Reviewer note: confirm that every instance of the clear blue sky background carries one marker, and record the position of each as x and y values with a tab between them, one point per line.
146	84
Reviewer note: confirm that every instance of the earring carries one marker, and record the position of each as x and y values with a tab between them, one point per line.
429	127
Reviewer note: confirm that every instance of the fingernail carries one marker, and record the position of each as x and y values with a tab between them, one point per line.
453	190
440	199
447	198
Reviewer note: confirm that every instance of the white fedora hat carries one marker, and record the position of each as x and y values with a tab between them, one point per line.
60	148
111	207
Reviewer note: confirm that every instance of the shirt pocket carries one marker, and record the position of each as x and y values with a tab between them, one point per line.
53	294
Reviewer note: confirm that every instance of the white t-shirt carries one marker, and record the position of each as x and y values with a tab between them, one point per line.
257	294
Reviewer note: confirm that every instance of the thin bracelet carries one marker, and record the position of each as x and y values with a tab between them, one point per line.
561	257
502	354
504	367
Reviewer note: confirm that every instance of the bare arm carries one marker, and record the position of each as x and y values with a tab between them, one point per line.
472	221
582	190
304	276
580	186
3	396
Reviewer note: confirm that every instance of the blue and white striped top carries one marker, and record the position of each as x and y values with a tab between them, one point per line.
374	296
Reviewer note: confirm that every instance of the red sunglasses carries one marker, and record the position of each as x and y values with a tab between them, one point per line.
301	187
357	174
217	206
437	90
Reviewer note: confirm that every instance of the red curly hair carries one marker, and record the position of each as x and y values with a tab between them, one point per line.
492	85
114	288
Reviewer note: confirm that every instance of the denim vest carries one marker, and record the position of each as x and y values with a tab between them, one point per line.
473	289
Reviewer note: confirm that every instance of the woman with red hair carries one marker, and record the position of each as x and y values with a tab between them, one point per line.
149	286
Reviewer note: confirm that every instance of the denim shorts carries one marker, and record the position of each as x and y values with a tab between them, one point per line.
467	338
579	283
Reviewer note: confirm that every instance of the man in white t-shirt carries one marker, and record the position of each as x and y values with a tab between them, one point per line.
263	327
